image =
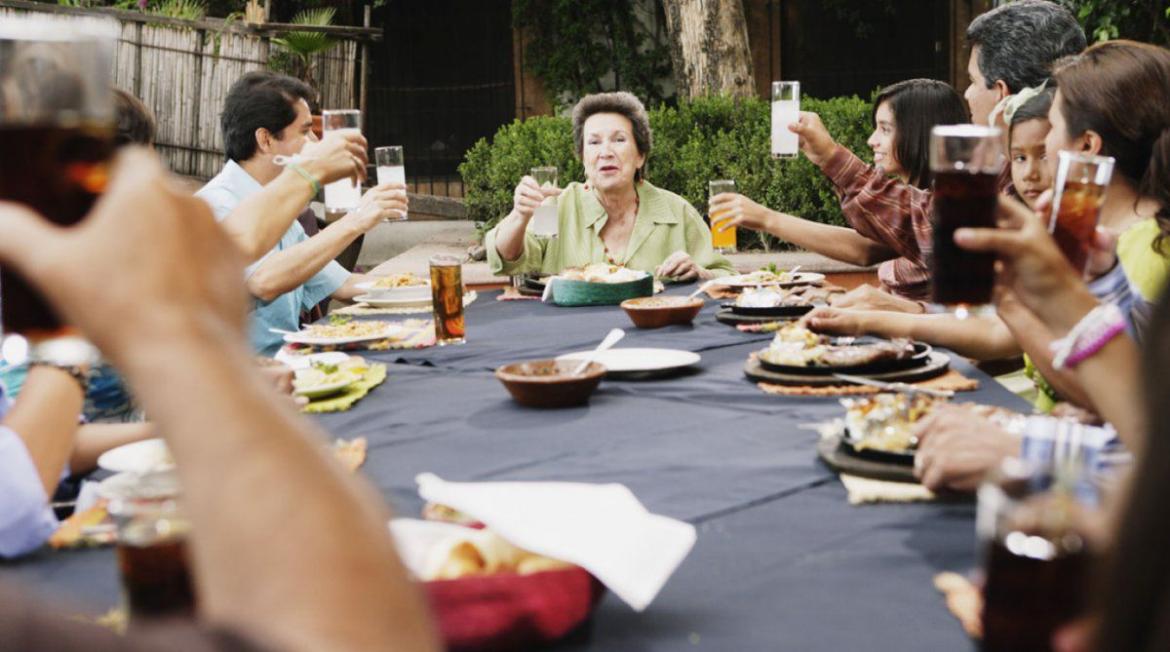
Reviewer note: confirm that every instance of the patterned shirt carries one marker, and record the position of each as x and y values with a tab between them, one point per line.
890	212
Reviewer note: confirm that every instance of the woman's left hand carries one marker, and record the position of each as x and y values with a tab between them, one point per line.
679	266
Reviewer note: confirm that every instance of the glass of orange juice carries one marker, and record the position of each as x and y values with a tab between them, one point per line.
723	241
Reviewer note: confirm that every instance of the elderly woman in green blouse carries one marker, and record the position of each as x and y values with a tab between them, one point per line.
616	216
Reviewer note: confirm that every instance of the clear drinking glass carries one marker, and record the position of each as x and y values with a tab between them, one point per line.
57	127
785	111
722	241
1078	192
152	549
1035	525
447	299
344	195
391	167
965	161
544	222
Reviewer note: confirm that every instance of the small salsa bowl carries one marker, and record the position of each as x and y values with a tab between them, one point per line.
550	383
656	312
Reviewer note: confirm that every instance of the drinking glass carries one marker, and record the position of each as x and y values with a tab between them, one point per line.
544	221
722	241
56	126
343	195
966	161
1034	523
1079	191
447	299
391	167
152	549
785	111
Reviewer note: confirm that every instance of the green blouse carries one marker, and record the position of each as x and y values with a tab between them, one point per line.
665	223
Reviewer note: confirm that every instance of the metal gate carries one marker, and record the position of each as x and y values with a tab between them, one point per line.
441	79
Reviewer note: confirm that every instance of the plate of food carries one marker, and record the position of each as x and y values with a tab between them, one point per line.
638	363
600	284
139	457
404	285
796	350
773	276
776	301
343	331
321	380
881	427
394	301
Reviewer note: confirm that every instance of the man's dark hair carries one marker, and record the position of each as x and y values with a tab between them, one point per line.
259	99
1018	42
918	106
135	122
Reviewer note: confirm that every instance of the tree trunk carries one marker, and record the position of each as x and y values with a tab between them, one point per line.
709	47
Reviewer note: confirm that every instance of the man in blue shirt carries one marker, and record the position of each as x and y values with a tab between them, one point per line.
267	115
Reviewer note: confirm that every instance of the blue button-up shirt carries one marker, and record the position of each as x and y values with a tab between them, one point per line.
26	520
223	193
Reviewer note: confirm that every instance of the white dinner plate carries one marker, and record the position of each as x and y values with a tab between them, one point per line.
378	301
799	278
303	337
295	361
139	457
638	362
415	292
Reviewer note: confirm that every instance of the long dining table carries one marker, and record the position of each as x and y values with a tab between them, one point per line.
782	561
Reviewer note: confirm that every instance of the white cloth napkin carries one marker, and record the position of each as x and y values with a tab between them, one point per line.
600	527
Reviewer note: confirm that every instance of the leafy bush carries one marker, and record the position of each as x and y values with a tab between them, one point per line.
708	138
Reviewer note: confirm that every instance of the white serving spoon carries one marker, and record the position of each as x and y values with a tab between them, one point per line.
614	337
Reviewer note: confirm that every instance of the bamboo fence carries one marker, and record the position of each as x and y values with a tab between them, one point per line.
182	71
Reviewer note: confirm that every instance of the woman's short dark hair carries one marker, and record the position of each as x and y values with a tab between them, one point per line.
918	105
1018	42
259	99
135	122
622	103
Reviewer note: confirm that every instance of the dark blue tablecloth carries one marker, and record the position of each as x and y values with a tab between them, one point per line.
782	561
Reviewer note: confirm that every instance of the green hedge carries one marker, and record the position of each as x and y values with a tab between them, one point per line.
708	138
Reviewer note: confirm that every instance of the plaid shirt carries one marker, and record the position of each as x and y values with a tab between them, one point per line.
892	213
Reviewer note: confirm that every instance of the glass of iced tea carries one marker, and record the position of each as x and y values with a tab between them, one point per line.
722	240
447	299
965	161
152	549
1035	524
57	125
1078	192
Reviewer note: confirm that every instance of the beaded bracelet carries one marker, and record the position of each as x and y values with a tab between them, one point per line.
78	373
1089	336
308	177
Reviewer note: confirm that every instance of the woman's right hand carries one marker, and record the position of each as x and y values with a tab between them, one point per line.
736	210
339	155
528	196
815	141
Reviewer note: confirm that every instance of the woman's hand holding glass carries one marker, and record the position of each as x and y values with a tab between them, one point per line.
529	195
815	141
738	210
1032	266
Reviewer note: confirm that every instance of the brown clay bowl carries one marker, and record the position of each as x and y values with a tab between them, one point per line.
550	383
656	312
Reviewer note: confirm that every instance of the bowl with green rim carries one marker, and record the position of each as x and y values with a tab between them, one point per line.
568	292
